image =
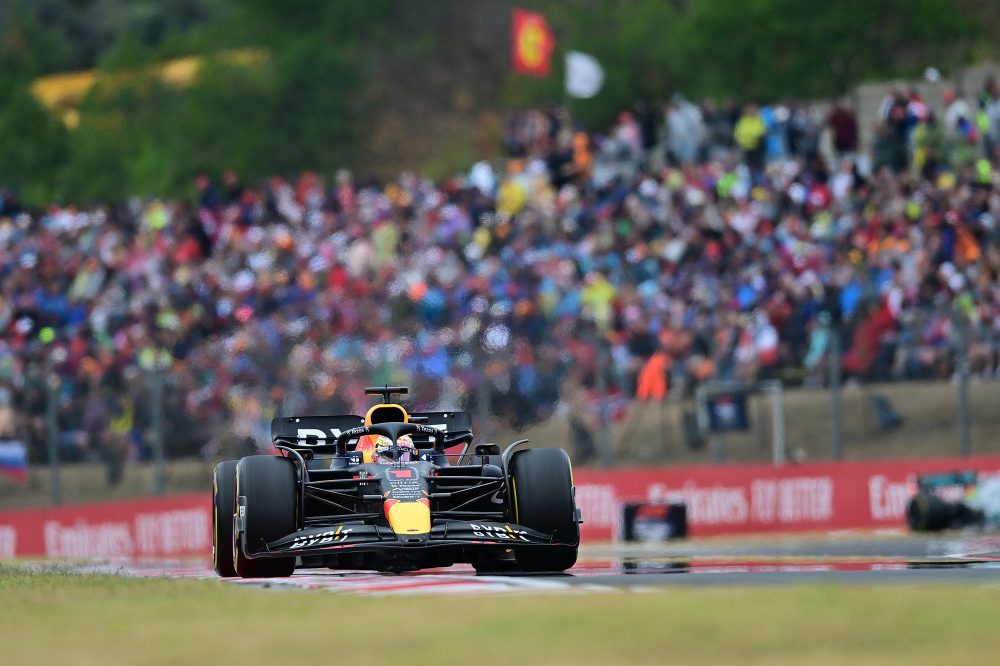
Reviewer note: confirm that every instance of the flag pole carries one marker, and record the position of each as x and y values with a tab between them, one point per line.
566	98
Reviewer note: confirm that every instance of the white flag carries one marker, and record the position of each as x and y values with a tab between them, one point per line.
584	75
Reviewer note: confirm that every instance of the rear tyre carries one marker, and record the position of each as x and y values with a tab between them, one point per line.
268	485
542	499
223	494
926	512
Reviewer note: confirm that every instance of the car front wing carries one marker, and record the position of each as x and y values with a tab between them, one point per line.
360	536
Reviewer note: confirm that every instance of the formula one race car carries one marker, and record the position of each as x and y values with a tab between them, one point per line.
380	492
953	500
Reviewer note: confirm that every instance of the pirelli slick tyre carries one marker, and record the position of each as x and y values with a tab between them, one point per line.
267	487
223	497
542	499
926	512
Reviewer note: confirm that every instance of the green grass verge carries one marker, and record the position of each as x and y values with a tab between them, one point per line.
61	618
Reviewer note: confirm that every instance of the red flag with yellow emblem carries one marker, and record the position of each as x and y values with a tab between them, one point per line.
532	44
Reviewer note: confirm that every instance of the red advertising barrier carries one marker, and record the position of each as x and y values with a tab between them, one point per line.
745	499
731	499
172	526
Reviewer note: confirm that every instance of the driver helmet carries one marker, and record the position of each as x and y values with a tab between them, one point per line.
386	453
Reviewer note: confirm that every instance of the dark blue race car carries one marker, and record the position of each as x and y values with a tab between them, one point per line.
393	491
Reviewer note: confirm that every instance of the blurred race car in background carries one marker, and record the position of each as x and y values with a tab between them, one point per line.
950	500
650	522
379	492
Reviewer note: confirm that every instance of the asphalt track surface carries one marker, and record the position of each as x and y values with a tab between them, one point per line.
866	559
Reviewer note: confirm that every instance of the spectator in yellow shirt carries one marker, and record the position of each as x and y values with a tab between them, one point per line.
749	135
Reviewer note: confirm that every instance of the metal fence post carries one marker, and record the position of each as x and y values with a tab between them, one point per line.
52	436
719	447
836	405
777	393
604	426
156	423
962	365
484	396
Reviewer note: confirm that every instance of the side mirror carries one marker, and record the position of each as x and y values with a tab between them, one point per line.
487	450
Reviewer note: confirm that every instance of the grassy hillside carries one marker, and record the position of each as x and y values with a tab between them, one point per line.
653	434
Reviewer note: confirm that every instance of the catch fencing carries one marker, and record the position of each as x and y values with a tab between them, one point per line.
726	499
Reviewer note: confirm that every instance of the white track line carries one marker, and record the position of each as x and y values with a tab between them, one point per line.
456	580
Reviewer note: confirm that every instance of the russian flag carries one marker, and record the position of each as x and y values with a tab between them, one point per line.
14	460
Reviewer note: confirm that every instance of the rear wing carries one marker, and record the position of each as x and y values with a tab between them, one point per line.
938	480
317	433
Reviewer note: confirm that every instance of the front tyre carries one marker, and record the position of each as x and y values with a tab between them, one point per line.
542	499
223	496
267	484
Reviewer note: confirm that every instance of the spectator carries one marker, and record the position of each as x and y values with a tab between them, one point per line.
960	130
647	125
929	146
844	128
989	118
292	293
628	133
685	131
749	135
720	121
895	113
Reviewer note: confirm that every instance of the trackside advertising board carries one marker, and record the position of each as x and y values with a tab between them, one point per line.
729	499
746	499
174	526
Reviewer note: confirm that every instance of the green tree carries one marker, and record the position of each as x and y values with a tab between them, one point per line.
296	111
32	145
32	142
766	49
348	82
759	49
117	121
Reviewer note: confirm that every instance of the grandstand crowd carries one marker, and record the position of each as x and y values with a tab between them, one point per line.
691	242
